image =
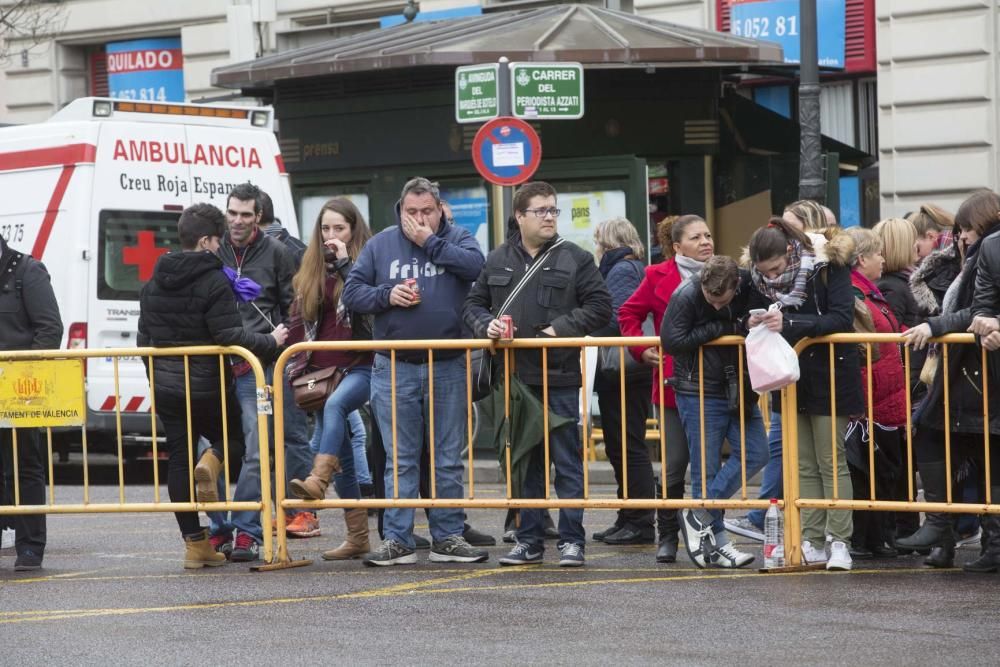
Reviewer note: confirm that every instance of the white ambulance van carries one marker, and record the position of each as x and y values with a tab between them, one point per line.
95	193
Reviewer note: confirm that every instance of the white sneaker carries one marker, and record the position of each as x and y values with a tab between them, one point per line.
729	556
840	557
811	555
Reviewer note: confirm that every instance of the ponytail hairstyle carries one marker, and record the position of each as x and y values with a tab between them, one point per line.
309	282
809	213
773	239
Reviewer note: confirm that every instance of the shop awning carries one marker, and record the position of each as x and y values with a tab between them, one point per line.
593	36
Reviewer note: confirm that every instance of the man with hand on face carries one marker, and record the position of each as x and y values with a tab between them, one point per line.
440	260
564	296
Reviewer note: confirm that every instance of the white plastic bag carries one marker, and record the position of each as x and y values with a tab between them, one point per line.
771	361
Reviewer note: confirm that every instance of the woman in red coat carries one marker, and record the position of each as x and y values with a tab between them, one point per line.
690	243
874	532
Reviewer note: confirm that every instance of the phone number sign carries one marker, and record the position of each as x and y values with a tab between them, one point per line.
779	21
146	69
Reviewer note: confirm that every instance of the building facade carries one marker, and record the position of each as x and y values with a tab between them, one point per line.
937	99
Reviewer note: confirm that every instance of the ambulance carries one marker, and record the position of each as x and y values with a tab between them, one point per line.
95	193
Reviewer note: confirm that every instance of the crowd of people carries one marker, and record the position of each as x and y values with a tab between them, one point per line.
241	279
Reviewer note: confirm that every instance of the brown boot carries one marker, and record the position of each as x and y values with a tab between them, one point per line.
206	476
356	544
314	487
198	552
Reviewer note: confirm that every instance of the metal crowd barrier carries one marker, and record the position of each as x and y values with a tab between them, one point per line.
277	556
471	500
795	503
9	361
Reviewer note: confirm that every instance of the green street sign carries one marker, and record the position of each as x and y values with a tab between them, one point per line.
476	93
547	90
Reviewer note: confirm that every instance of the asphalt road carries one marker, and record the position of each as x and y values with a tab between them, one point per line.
113	592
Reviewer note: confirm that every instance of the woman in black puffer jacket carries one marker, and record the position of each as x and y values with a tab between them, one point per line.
811	279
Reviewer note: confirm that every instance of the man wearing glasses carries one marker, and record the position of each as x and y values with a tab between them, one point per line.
564	296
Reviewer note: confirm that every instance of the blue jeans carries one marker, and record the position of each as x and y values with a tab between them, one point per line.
298	458
771	482
359	440
413	401
566	453
332	427
722	480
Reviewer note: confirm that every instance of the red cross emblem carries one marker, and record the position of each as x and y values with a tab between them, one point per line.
144	254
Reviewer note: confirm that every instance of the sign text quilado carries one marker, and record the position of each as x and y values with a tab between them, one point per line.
547	90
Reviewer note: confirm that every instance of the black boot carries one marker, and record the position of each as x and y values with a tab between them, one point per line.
667	552
941	557
989	561
936	530
668	525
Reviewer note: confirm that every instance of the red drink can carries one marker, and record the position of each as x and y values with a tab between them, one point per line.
508	327
412	284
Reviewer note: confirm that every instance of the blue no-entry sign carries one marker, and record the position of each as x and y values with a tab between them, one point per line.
506	151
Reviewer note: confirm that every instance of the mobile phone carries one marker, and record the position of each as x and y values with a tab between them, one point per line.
758	311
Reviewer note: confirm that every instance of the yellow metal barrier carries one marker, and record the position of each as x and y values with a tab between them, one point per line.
157	505
282	558
795	503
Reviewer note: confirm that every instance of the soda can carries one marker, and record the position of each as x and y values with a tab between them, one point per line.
412	284
508	327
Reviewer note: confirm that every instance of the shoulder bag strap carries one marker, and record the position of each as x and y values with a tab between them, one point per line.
526	277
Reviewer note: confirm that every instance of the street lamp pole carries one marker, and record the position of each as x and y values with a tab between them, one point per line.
811	182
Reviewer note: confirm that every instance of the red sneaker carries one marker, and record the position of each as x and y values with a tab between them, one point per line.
245	549
223	544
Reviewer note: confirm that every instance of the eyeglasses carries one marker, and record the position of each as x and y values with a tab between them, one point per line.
542	212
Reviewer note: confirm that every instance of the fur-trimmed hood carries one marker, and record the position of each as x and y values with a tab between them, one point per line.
832	246
930	280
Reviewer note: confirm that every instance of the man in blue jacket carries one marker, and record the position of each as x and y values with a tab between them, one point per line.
443	259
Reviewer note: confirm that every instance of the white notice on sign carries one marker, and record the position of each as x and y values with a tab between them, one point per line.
508	155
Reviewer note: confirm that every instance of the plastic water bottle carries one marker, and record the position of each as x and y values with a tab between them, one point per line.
774	536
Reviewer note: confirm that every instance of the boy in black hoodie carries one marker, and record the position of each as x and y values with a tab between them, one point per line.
190	301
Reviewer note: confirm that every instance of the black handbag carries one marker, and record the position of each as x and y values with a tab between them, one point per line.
483	371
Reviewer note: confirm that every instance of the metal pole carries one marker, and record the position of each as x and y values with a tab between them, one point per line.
506	108
811	182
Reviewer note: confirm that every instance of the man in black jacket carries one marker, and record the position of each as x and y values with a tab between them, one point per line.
701	310
253	254
564	297
189	301
29	320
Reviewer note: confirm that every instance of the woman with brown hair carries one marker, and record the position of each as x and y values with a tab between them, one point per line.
319	314
977	217
813	288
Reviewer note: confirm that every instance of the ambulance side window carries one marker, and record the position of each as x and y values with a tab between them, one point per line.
129	243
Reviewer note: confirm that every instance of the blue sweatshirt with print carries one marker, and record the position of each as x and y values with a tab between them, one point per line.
444	268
